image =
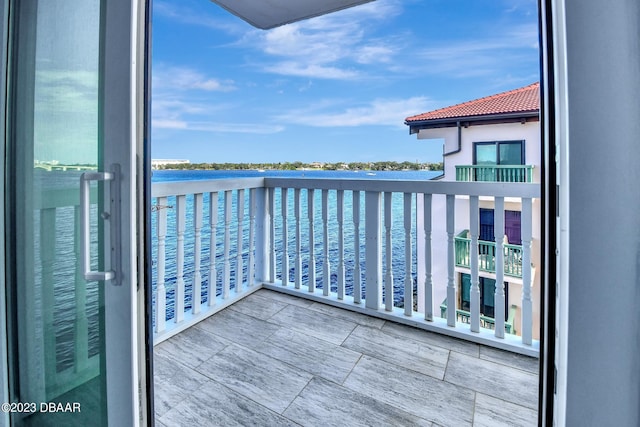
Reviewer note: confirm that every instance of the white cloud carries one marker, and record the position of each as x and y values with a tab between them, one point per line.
374	53
184	78
251	128
189	100
200	126
169	124
176	108
379	112
180	13
292	68
479	57
330	46
173	113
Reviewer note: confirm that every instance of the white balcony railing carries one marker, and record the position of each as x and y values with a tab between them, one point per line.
62	306
323	239
331	240
494	173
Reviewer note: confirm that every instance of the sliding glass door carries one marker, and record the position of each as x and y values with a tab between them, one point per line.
72	284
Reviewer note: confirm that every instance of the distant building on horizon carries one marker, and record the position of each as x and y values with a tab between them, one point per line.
163	162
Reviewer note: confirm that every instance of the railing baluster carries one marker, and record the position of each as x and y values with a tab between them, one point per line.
373	250
181	207
357	282
272	234
285	238
81	329
252	237
326	266
48	261
499	266
526	231
388	278
408	260
510	259
452	301
312	256
196	289
161	291
428	279
296	212
240	239
213	273
474	219
226	274
262	235
340	214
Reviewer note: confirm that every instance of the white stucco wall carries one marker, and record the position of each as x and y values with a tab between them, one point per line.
530	133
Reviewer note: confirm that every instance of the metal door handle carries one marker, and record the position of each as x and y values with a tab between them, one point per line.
85	233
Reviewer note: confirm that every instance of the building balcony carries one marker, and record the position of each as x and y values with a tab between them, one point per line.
488	322
487	255
495	173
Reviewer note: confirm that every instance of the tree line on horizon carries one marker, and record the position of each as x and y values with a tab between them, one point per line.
373	166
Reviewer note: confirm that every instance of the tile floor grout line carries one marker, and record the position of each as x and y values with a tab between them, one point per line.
446	366
351	371
473	408
410	368
244	396
296	396
267	298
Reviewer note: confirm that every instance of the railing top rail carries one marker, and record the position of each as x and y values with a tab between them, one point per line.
497	189
495	166
175	188
460	238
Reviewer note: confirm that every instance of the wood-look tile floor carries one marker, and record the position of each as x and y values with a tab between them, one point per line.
274	359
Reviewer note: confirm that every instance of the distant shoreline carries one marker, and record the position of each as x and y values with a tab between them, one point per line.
316	166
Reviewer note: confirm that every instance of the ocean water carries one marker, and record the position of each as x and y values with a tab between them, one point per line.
398	265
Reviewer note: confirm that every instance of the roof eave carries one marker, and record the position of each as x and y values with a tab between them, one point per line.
416	125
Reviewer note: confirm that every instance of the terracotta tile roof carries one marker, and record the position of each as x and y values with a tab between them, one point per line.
524	99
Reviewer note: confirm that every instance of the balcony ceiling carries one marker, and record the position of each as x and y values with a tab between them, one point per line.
267	14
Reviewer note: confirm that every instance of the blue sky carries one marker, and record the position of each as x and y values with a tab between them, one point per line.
333	88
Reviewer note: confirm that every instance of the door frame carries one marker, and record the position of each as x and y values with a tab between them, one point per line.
4	363
124	66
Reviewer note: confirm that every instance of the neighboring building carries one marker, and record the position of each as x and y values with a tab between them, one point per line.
496	138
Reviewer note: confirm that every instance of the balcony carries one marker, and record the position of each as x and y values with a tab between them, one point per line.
294	298
464	316
495	173
273	359
347	243
487	255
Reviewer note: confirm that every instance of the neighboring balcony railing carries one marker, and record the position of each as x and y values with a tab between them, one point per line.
487	255
496	173
335	241
485	321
